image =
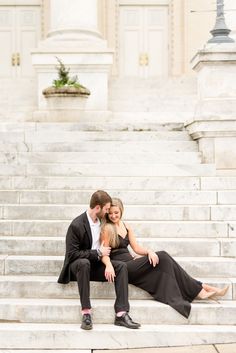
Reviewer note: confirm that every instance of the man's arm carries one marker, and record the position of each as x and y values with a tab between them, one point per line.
73	245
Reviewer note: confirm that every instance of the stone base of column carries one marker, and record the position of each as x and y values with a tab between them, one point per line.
214	123
90	65
71	116
217	141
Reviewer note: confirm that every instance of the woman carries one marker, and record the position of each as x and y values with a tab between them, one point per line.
156	272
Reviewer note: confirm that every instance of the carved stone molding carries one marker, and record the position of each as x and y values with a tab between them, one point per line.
45	8
176	38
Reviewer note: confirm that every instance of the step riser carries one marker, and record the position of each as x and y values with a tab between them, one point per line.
72	337
148	229
107	183
125	183
51	267
77	136
17	288
104	314
111	125
143	170
102	146
147	213
128	197
116	170
188	247
142	213
84	157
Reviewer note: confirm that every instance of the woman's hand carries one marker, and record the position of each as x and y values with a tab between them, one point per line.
110	273
153	258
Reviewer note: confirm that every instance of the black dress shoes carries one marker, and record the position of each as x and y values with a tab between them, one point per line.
86	322
126	321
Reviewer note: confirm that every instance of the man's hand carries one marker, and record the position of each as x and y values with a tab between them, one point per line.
104	250
110	273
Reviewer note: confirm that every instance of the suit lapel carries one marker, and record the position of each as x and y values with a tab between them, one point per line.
88	229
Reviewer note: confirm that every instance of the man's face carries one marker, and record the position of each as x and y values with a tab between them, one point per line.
103	211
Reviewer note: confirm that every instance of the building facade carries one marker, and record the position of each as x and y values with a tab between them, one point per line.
148	38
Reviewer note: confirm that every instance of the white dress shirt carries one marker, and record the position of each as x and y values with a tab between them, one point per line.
95	230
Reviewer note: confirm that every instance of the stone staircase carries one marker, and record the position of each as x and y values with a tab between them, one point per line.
174	202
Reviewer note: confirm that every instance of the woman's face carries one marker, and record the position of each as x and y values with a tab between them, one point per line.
114	214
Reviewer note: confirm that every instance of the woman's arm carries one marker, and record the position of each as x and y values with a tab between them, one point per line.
109	269
138	249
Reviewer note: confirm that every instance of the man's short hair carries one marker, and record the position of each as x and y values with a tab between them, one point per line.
100	198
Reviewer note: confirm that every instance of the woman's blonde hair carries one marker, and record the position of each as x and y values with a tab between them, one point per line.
110	228
118	203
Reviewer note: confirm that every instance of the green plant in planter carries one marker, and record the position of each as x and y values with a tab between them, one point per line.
64	84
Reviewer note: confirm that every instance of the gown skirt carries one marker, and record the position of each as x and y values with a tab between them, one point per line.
167	283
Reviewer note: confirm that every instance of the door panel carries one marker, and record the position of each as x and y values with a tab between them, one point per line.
131	21
28	35
19	33
144	41
7	42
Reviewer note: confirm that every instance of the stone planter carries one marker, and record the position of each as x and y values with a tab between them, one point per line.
66	98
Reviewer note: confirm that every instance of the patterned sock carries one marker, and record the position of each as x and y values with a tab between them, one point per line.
120	313
86	311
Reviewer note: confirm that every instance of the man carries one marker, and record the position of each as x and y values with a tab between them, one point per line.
82	262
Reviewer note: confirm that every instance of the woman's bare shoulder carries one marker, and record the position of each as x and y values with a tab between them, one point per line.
127	225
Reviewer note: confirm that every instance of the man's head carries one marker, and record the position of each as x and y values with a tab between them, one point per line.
100	203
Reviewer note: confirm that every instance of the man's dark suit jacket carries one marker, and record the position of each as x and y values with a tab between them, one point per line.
78	245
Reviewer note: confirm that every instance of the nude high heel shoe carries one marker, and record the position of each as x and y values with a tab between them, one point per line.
222	292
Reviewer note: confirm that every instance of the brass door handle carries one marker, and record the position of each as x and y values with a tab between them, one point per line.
13	60
146	60
18	59
143	59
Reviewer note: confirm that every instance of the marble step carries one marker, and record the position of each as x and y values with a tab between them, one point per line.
51	265
67	311
84	157
46	351
132	212
218	183
117	125
150	229
46	136
104	182
70	336
47	287
14	245
112	170
102	146
128	197
155	183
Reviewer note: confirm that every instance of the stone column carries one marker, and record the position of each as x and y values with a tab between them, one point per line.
73	37
214	123
74	20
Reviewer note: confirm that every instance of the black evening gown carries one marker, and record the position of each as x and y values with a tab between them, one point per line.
168	283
